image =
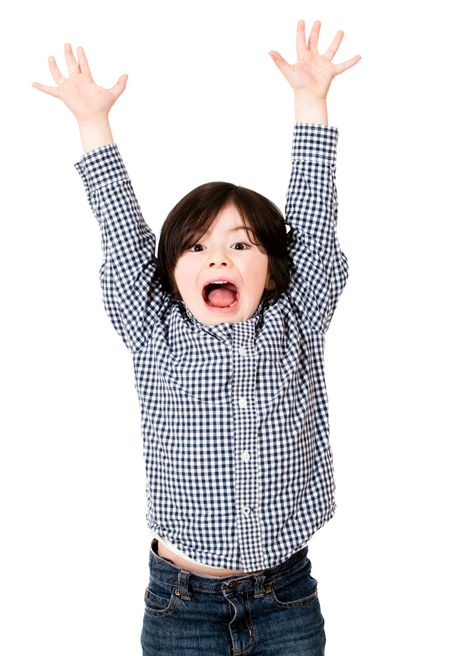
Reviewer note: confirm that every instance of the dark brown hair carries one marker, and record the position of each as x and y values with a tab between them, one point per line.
195	212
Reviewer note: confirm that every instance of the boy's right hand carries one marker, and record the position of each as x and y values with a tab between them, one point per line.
85	99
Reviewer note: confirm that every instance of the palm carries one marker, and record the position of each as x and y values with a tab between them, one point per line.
313	73
84	97
79	91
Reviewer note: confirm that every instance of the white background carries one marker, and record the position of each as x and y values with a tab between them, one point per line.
204	101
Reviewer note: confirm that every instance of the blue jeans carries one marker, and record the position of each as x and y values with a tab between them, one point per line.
272	612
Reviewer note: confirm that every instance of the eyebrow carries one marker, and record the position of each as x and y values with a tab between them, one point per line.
241	227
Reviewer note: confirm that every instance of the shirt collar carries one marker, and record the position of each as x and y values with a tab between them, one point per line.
225	328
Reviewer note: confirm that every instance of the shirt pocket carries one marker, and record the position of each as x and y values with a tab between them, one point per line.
282	364
207	380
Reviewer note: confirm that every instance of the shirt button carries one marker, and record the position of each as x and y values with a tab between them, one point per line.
246	511
242	350
245	456
242	402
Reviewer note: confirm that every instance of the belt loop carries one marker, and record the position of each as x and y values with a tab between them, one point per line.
259	585
183	585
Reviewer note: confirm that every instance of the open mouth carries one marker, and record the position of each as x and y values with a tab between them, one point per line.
221	296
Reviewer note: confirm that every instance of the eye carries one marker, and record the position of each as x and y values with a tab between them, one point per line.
190	249
239	243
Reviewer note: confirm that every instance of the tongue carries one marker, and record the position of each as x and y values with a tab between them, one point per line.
221	297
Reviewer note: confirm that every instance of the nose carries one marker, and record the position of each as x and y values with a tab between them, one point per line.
219	257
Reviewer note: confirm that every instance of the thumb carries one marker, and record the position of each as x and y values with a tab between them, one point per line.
279	61
119	87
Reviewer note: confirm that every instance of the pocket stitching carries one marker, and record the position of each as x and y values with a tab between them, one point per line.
297	603
159	612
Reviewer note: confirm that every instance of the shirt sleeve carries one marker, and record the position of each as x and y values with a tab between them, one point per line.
320	266
132	293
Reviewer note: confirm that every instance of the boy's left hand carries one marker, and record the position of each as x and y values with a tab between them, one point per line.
313	73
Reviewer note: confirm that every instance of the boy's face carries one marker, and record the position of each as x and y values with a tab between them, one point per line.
223	253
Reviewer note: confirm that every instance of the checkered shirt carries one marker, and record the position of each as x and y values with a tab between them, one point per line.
234	416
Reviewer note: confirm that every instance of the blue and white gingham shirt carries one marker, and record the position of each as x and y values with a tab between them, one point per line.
234	416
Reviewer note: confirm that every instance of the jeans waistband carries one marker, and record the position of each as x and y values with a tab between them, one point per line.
170	574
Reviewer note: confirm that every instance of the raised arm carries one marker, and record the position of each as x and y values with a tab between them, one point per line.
132	295
321	268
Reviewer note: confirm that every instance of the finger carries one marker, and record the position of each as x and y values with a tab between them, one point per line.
280	62
301	39
339	68
53	91
314	37
84	66
72	63
334	45
54	70
119	87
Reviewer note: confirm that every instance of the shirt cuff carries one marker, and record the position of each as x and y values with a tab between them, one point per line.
315	141
101	166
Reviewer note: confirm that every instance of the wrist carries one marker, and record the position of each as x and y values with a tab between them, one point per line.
310	109
95	132
95	119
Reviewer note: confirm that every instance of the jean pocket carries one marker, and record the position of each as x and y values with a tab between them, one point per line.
295	590
159	599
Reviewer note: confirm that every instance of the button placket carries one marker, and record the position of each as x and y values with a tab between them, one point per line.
246	425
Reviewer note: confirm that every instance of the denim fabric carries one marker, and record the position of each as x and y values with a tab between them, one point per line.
271	612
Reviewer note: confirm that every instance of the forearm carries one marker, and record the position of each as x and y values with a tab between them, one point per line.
95	132
128	270
310	110
311	212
